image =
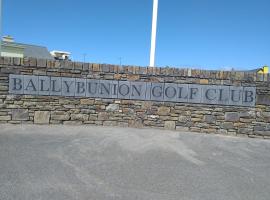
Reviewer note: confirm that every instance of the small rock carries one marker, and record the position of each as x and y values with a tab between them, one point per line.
20	114
169	125
42	117
110	123
232	117
112	108
80	117
5	118
163	110
87	101
210	119
227	125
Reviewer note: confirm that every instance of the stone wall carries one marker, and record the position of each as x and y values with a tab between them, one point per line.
253	121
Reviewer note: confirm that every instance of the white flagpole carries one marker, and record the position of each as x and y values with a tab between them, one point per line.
0	27
154	33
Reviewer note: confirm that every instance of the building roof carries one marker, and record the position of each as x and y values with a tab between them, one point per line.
33	51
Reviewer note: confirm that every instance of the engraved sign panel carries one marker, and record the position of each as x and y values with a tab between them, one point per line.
170	92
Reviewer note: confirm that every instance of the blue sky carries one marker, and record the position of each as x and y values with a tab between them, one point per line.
204	34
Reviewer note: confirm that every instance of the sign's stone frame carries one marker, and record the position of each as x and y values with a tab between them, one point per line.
113	89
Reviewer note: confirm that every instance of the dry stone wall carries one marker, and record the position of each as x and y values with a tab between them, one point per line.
250	116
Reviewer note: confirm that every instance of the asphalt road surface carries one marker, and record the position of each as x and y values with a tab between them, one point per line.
100	163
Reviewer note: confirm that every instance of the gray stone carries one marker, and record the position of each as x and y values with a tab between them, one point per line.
16	84
124	90
56	86
30	84
182	93
44	85
80	87
5	118
259	128
223	95
195	93
209	94
170	92
72	123
184	119
112	108
60	117
80	117
163	111
42	117
247	114
169	125
114	89
182	128
210	119
227	125
20	114
232	117
110	123
222	131
68	87
245	131
262	133
249	96
236	96
103	116
92	89
263	99
157	91
266	114
105	89
138	90
148	91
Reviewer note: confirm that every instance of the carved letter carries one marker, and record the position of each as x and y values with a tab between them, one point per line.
90	88
138	90
105	89
233	96
80	87
207	94
17	82
249	96
68	85
167	92
31	85
53	86
159	93
124	91
193	92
